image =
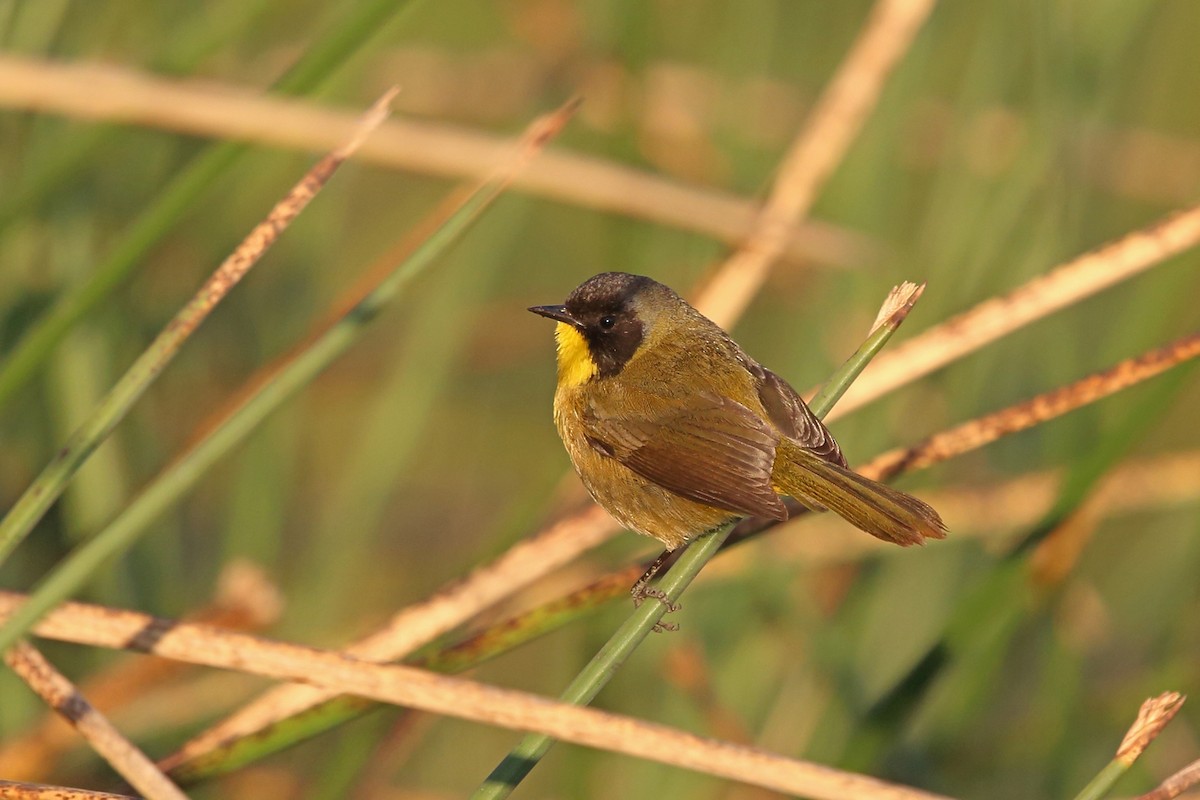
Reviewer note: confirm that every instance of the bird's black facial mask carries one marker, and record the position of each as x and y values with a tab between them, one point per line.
604	312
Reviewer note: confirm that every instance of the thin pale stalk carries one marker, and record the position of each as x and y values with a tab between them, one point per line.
833	125
424	147
59	693
245	601
1175	785
16	790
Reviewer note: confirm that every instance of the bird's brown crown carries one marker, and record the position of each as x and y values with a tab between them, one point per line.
608	312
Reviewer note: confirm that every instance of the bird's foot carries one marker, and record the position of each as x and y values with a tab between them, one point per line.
641	592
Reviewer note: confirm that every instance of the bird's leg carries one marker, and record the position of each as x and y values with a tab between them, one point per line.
641	590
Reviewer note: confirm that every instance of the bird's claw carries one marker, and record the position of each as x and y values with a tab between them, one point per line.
640	592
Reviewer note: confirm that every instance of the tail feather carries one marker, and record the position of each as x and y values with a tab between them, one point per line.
879	510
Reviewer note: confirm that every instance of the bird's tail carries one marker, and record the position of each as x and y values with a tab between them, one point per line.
879	510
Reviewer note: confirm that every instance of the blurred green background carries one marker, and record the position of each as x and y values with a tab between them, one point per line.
1012	137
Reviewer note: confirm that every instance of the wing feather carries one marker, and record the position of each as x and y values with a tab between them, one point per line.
794	418
709	449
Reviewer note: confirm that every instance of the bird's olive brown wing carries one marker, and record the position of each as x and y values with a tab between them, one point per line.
794	418
710	449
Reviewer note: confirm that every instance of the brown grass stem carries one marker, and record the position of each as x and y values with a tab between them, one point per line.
420	623
99	626
108	93
16	790
1154	715
832	126
58	693
1175	785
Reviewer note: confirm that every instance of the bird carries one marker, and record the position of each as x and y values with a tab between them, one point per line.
676	431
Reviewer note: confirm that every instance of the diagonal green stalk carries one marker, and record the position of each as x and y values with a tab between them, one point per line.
178	478
181	193
1099	786
600	670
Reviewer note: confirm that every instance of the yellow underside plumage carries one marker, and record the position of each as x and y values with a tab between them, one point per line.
575	364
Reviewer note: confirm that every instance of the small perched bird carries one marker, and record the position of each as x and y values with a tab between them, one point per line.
675	431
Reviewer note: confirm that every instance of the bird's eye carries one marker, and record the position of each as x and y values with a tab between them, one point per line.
607	322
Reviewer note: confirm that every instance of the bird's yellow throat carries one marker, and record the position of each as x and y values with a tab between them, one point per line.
575	364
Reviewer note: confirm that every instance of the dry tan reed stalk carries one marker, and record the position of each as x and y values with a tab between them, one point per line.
58	693
15	790
823	141
983	430
247	253
113	94
245	601
990	320
98	626
1175	785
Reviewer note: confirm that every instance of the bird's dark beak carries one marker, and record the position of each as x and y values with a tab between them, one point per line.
559	313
